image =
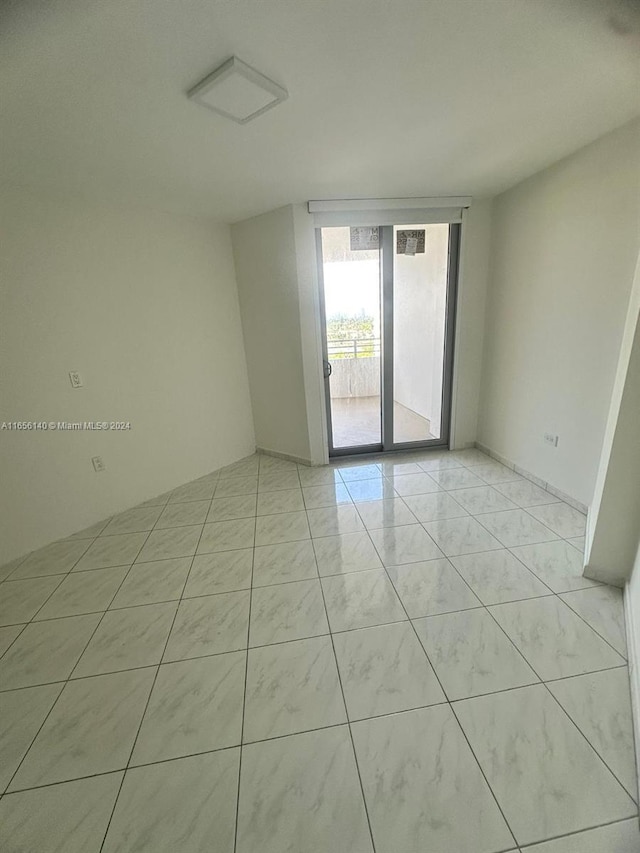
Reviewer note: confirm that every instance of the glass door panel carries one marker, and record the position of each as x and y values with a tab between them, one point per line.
351	284
419	295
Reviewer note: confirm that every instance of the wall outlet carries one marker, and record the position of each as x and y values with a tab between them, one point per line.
98	464
75	379
550	438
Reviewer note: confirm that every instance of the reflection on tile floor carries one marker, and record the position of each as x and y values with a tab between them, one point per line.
383	656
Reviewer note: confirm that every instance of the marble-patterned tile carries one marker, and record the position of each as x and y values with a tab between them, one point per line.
431	587
83	592
46	651
183	514
437	461
389	513
22	712
377	489
247	467
557	564
414	484
198	490
285	527
471	655
516	527
555	641
455	536
7	635
92	531
423	788
358	471
109	551
578	542
224	571
620	837
186	805
236	486
55	559
209	625
524	493
326	475
361	599
301	793
334	520
451	479
134	520
483	499
470	456
10	567
434	507
287	561
289	611
601	607
195	706
285	500
91	729
351	552
226	509
544	774
493	472
71	817
170	543
276	465
407	544
392	468
329	495
21	600
274	482
129	638
292	687
150	583
561	518
600	705
158	500
497	576
384	670
227	535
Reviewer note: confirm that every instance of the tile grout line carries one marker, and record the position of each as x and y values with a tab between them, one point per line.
444	692
153	684
65	681
244	691
346	713
543	682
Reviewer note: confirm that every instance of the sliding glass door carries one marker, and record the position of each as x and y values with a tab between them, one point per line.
388	304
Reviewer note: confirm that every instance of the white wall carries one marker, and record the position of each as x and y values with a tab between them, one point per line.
267	275
564	245
613	529
419	313
144	305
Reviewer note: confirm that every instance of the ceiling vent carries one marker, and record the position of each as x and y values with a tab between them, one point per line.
237	91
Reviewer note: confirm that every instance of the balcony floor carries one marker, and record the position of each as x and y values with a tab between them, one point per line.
356	421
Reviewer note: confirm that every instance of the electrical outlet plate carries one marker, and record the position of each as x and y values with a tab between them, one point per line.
550	438
75	379
98	464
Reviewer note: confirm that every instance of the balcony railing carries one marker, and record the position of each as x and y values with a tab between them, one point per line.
353	348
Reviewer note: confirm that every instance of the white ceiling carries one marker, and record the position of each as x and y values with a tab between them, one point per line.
386	97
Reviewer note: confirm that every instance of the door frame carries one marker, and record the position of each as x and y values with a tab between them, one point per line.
387	445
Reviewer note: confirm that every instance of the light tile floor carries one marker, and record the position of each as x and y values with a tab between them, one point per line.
397	655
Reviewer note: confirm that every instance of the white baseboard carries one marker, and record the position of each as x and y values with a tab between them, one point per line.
633	647
289	457
548	487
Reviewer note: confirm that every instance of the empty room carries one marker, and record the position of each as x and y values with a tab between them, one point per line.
319	426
